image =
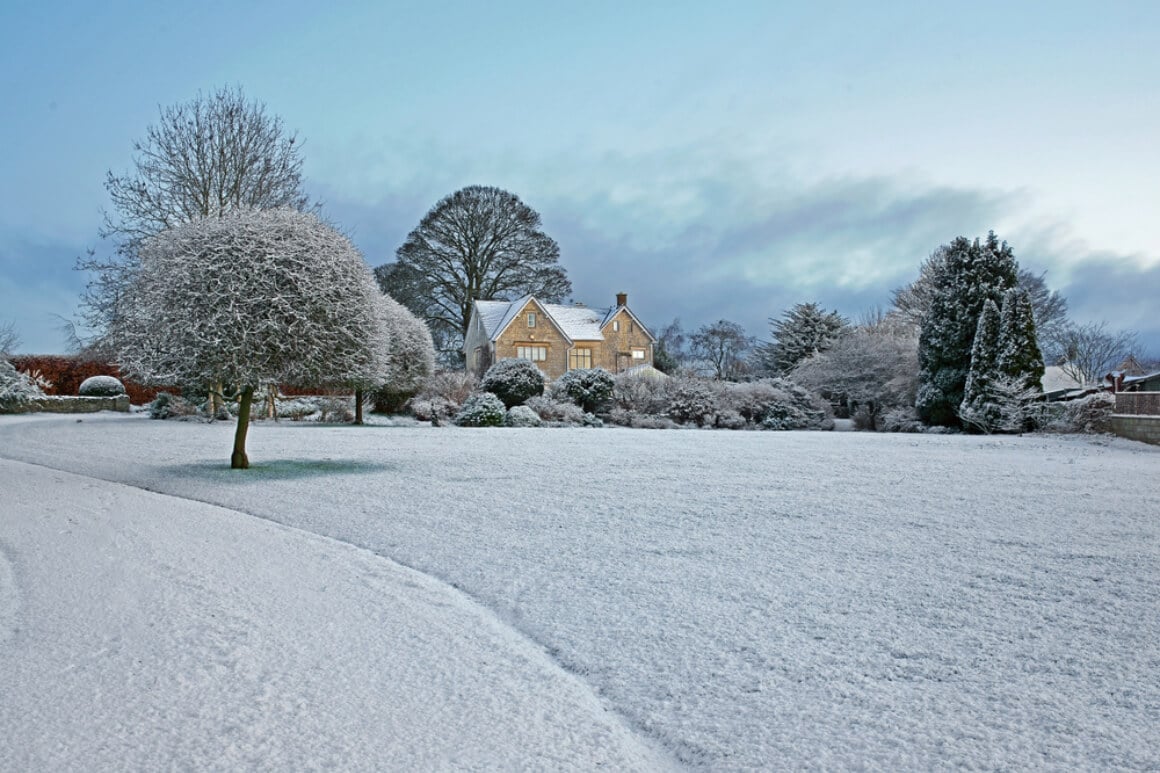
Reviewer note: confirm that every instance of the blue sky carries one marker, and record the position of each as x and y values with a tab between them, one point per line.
720	160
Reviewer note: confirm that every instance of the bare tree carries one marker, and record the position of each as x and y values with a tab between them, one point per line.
1091	351
479	243
251	298
723	346
9	339
216	154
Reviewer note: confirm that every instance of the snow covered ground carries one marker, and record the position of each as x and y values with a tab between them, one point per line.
736	600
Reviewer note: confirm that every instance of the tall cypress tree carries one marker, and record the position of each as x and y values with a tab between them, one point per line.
973	274
979	407
1019	355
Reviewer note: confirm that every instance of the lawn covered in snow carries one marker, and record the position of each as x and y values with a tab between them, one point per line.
735	599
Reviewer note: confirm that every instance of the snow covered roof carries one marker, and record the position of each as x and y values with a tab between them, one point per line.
1055	379
577	323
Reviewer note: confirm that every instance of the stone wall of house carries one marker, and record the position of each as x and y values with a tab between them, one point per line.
543	334
614	353
1144	428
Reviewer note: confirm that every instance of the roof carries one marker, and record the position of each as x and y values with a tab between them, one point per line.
577	323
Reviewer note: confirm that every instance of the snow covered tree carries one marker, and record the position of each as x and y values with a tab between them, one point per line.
411	357
251	298
669	352
972	274
722	346
979	409
479	243
874	367
802	331
215	154
9	339
1018	356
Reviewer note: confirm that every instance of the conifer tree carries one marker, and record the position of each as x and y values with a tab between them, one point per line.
802	331
979	408
1019	356
973	273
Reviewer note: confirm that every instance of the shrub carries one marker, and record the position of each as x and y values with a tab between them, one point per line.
338	410
482	409
296	409
101	386
17	390
555	412
693	401
589	388
522	416
513	381
640	394
165	406
433	409
730	419
1091	414
901	420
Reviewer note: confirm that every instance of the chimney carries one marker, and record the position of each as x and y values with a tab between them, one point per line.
622	299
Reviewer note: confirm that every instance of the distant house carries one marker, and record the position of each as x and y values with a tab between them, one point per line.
557	338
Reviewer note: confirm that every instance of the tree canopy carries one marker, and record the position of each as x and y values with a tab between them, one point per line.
478	243
252	297
803	330
215	154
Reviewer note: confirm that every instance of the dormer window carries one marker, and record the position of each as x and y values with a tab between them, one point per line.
531	319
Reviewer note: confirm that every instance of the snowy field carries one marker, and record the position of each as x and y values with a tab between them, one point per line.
453	598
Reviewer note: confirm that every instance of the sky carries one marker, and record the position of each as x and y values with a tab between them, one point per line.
713	160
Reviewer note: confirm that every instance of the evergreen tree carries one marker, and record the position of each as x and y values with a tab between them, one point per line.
973	273
979	409
802	331
1019	356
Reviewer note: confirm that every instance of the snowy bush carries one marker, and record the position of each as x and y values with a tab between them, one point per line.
589	388
101	386
693	401
513	381
482	409
167	406
640	394
730	419
1089	414
522	416
442	395
901	420
555	412
17	390
296	409
411	357
336	410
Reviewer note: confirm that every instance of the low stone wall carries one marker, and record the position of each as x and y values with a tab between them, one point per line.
1145	428
82	404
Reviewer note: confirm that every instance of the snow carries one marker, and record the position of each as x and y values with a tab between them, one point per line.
727	600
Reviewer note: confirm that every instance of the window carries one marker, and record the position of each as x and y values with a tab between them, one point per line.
637	354
531	319
533	353
579	358
616	325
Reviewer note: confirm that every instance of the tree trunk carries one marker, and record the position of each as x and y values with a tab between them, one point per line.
358	406
216	399
239	460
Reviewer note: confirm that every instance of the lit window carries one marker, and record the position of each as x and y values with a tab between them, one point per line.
638	354
579	358
531	319
533	353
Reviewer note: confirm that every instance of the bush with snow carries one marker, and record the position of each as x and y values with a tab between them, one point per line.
640	394
1091	414
482	409
555	412
522	416
693	401
101	386
513	381
17	390
589	388
167	406
904	419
